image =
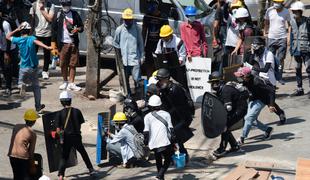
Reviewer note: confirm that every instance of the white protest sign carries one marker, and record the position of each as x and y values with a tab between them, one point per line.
197	72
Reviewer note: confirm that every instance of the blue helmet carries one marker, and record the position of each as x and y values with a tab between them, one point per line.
190	11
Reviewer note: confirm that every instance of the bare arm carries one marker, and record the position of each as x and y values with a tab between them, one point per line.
47	16
39	43
10	34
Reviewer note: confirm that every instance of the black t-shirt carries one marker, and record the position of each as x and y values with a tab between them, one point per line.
151	28
222	14
74	122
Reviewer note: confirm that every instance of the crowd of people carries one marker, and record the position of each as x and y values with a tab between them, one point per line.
162	123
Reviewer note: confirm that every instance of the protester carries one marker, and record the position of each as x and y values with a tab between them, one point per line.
176	100
133	114
300	44
245	27
121	145
68	123
235	102
193	35
22	146
170	43
65	37
157	128
8	53
128	39
28	71
42	12
261	94
220	24
152	22
275	29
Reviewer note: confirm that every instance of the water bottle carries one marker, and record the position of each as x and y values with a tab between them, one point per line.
177	152
276	177
55	59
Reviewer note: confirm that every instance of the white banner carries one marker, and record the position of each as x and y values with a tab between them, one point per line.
197	73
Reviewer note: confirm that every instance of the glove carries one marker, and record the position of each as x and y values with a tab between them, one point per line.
54	50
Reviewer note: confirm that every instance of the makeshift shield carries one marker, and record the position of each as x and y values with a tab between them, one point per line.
53	147
213	116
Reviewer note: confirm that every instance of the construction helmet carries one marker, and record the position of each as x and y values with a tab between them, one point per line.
31	115
163	74
215	77
242	13
65	95
165	31
278	1
154	74
190	11
25	25
119	117
154	101
127	14
297	6
237	4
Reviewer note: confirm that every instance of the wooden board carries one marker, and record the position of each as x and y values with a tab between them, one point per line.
236	173
303	169
250	174
263	175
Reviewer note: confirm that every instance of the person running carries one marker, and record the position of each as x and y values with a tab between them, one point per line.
22	146
300	44
157	128
261	94
28	72
68	123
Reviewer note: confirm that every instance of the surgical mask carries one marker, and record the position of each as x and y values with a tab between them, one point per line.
215	86
277	5
130	112
66	9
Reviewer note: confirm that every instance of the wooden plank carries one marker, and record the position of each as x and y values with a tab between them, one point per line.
250	174
303	169
236	173
258	165
263	175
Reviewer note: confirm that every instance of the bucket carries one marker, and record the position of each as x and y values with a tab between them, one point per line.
179	160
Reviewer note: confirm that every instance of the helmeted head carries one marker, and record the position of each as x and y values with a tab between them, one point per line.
163	76
297	9
30	117
278	4
215	79
154	101
166	33
119	119
128	18
243	74
190	12
25	28
66	5
130	107
65	98
258	46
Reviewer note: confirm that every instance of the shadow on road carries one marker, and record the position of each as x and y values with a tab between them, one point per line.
186	177
289	121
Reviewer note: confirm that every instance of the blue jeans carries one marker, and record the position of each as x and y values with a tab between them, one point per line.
136	75
302	58
254	109
30	76
278	47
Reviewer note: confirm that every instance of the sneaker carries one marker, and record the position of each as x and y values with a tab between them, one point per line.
240	141
282	82
39	110
63	86
219	153
282	119
22	90
298	92
7	93
92	172
268	133
234	149
73	87
45	75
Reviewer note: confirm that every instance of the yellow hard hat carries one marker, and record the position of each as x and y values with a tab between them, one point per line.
31	115
278	1
236	4
127	14
119	116
154	74
165	31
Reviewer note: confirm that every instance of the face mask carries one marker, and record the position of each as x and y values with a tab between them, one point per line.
296	15
277	5
66	9
130	112
215	86
241	25
128	24
162	85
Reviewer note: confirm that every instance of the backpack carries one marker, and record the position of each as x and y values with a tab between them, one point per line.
138	140
243	91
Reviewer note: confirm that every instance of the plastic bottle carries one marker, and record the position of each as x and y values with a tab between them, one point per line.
277	177
177	152
55	59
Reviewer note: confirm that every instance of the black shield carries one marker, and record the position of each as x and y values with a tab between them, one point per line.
53	148
213	115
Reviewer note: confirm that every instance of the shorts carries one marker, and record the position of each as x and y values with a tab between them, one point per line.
278	47
69	55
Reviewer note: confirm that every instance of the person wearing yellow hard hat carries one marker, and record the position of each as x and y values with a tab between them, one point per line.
277	29
22	146
153	20
128	42
171	44
68	123
121	145
300	44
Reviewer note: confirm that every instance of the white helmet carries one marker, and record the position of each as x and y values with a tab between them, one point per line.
65	95
298	6
242	13
154	101
25	25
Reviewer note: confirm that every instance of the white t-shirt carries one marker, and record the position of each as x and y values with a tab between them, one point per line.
232	32
268	57
6	28
158	136
277	23
66	34
43	28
